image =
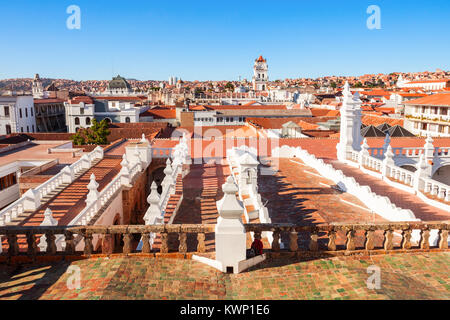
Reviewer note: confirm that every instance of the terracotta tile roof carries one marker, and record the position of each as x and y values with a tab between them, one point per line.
306	125
159	114
316	112
378	120
79	99
439	99
47	101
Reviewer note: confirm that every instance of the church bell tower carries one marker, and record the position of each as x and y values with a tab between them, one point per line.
260	74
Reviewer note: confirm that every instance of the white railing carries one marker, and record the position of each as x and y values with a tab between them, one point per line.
408	152
402	175
372	163
406	177
52	184
12	211
34	196
438	189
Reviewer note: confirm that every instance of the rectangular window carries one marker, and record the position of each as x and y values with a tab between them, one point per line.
8	129
6	111
81	110
26	113
8	181
20	113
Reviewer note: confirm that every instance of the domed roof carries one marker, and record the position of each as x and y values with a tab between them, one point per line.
119	83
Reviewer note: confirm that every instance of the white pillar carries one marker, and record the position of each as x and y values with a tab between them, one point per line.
423	172
230	232
350	132
125	177
388	161
364	152
93	192
153	214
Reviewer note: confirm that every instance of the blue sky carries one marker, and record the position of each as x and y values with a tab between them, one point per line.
219	40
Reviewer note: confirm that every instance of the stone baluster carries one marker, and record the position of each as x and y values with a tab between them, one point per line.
331	240
425	239
182	237
443	239
51	244
146	243
127	237
293	241
201	242
32	246
276	241
70	242
88	246
388	236
369	240
406	239
313	242
13	245
350	243
164	242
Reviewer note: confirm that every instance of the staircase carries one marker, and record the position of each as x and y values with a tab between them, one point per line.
20	218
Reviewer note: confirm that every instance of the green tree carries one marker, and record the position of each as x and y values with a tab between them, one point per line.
333	85
78	139
98	132
229	86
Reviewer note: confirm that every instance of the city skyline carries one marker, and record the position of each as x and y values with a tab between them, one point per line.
204	41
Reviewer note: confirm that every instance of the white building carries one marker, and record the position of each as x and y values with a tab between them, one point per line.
426	84
260	74
429	115
17	114
81	110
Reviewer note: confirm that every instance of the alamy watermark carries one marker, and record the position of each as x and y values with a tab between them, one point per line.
374	280
374	20
73	22
74	279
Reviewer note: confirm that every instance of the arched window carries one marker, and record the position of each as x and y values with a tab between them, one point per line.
108	120
77	121
88	121
77	129
127	120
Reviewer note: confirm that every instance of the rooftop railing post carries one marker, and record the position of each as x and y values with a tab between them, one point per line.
229	231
